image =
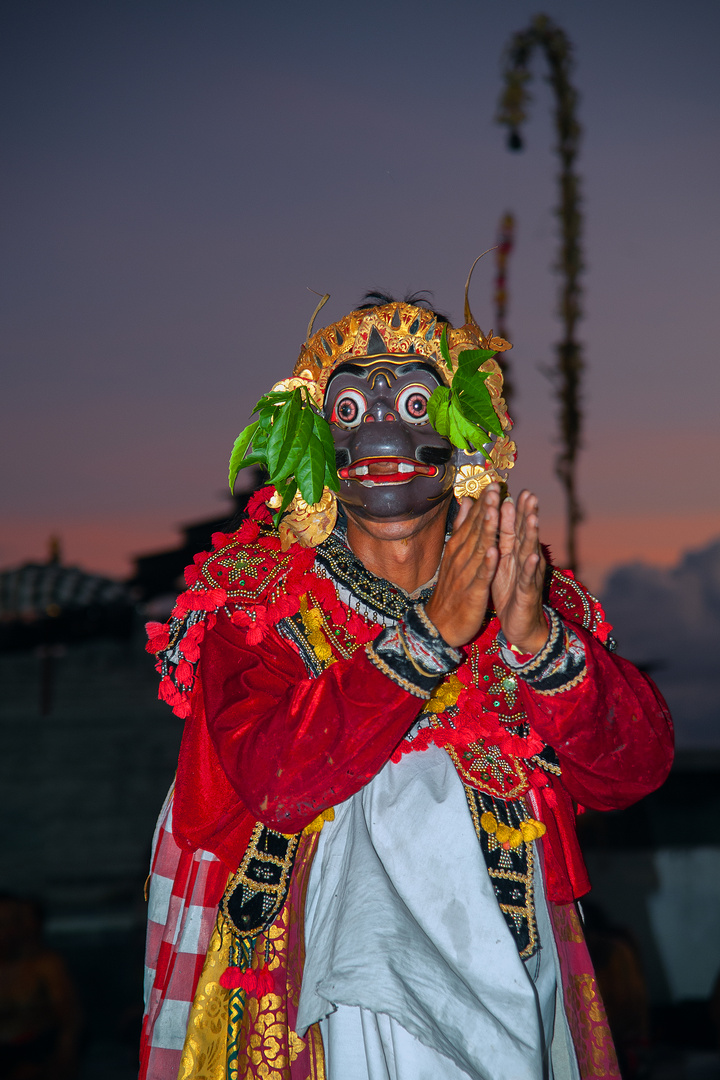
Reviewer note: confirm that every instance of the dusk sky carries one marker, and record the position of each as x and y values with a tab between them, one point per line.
176	174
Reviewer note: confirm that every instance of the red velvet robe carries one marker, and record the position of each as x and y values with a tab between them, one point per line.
263	741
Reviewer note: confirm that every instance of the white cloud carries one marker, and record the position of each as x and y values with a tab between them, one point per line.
669	620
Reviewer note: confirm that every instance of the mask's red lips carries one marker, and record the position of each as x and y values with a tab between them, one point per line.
385	470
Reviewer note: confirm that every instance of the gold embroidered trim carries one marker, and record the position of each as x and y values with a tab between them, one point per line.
427	621
566	686
398	679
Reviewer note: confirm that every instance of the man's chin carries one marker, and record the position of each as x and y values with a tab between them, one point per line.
380	515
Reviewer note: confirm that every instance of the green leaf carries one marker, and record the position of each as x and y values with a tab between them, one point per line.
265	419
310	471
298	445
284	430
288	494
254	459
461	433
469	385
468	355
324	435
468	378
444	350
449	418
239	450
332	480
437	408
479	411
275	397
464	429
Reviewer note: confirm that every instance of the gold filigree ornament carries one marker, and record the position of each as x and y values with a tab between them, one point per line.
303	380
308	525
476	470
471	480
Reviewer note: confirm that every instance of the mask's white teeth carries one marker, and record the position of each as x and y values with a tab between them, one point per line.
367	483
362	470
405	467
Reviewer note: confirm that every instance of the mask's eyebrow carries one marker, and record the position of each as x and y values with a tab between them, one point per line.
349	369
370	371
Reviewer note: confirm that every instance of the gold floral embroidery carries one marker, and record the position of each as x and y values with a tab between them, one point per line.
567	924
296	1045
589	1026
204	1056
264	1053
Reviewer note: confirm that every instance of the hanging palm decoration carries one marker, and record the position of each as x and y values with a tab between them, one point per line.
544	34
503	248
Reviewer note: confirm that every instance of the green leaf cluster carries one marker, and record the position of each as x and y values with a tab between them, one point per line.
293	443
464	414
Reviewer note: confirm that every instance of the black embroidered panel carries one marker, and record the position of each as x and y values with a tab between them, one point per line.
293	629
375	594
256	893
510	869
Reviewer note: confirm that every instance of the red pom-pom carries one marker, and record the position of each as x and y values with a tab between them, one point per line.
284	606
256	507
201	600
248	531
158	637
184	673
182	709
265	984
231	978
191	574
168	691
189	646
256	628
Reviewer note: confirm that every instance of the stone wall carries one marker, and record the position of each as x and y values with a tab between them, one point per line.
81	786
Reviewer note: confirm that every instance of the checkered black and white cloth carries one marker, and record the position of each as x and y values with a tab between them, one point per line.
185	890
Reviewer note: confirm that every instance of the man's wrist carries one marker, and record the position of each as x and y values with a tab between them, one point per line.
531	644
413	653
559	665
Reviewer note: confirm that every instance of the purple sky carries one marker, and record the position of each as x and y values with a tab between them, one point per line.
176	174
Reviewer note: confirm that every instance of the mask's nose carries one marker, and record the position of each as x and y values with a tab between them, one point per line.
383	407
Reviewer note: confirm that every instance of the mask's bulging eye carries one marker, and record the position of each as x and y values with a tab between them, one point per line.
411	403
349	408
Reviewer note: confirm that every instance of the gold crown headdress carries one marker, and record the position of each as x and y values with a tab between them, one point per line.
293	441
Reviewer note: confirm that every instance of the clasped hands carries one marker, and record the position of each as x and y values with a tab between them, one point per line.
494	551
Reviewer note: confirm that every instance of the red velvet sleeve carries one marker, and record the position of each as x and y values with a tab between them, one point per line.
292	746
613	734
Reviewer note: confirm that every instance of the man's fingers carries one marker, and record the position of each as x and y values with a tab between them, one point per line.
466	505
486	570
508	525
528	579
476	531
528	540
